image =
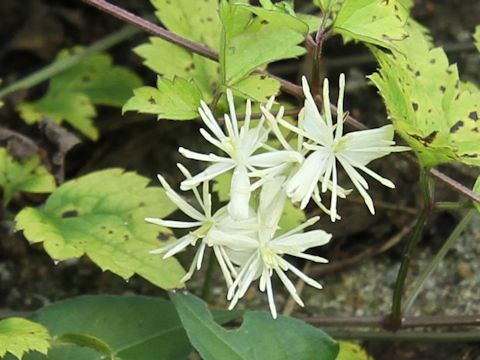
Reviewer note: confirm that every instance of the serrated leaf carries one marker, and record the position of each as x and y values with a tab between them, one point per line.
19	336
428	106
176	99
102	216
260	337
131	327
352	351
197	21
376	22
249	43
72	94
256	87
28	176
476	37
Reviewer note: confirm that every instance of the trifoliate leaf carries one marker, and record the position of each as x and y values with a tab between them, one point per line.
102	216
249	43
256	87
176	99
28	176
352	351
376	22
476	37
476	189
18	336
427	105
72	94
197	21
260	336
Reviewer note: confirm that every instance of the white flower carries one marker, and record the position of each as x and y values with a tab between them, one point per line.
292	168
240	144
204	222
261	255
328	145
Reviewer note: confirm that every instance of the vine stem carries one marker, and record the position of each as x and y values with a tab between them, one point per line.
286	85
452	239
427	189
57	67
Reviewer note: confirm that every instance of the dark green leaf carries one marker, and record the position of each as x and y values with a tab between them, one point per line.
132	327
260	337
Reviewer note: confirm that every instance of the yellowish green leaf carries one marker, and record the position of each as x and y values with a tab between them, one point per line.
375	22
19	336
72	94
176	99
27	176
430	109
352	351
102	216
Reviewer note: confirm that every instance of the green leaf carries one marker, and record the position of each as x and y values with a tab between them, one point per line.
476	37
429	108
102	215
72	94
352	351
196	21
256	87
88	341
176	99
250	43
18	336
476	189
28	176
259	337
131	327
376	22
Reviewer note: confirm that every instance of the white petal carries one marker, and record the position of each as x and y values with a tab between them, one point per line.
298	243
223	266
278	157
239	194
301	185
233	115
185	207
271	301
209	173
289	286
314	125
210	121
354	177
174	224
301	275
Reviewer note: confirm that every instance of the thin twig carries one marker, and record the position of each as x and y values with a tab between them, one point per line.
153	29
286	85
415	336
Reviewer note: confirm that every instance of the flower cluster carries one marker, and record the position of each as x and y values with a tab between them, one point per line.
242	234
